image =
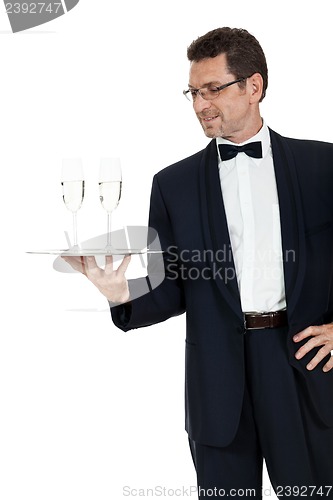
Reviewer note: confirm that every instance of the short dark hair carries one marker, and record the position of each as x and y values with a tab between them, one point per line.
243	52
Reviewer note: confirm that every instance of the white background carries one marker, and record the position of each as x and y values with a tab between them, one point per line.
84	408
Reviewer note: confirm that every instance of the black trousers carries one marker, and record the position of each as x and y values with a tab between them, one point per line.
277	425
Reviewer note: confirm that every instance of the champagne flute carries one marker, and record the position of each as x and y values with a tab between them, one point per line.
110	182
72	182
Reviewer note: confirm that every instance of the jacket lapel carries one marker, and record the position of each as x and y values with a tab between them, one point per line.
291	218
215	228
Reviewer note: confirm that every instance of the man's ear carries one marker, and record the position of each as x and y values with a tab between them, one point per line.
255	86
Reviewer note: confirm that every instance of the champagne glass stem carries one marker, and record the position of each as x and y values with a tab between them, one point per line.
75	228
109	230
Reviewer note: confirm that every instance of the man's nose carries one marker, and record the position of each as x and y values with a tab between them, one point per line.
200	104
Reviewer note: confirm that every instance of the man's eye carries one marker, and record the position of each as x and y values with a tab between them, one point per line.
213	90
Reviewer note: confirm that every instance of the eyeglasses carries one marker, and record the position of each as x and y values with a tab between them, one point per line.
209	93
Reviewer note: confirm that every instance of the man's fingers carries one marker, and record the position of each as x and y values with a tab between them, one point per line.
121	268
83	266
124	264
108	264
311	331
329	365
111	283
321	354
77	263
90	263
319	336
308	346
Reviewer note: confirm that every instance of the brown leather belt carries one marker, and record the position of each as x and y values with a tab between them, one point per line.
276	319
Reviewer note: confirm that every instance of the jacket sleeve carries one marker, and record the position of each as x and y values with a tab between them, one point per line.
149	303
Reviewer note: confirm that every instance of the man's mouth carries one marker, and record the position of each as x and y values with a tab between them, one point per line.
208	119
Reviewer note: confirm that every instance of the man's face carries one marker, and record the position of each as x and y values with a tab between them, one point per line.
231	113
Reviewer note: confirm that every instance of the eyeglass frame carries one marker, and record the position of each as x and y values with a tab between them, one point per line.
221	87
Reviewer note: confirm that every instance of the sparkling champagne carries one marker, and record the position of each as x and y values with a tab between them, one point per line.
73	194
110	193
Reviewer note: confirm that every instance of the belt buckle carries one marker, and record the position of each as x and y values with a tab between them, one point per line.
272	314
269	315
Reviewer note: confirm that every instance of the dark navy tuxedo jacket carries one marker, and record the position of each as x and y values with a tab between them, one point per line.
188	213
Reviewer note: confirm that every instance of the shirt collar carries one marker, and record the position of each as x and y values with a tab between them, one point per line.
263	136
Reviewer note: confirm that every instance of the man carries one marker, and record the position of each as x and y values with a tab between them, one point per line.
252	215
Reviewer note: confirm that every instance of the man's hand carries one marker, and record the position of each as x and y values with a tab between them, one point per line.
320	336
111	283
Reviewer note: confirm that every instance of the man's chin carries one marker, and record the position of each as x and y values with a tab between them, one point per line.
211	132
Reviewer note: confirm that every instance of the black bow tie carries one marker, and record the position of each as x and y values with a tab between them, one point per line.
228	151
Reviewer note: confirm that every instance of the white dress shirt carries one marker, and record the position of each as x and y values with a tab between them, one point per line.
252	210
